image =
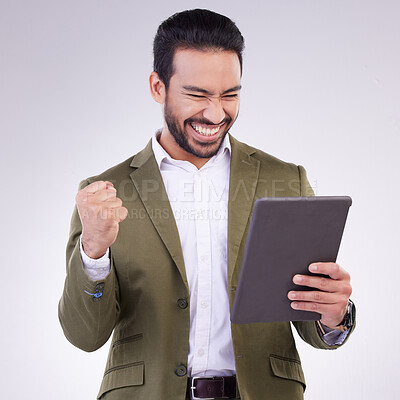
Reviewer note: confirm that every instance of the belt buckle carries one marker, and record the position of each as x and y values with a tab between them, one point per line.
192	387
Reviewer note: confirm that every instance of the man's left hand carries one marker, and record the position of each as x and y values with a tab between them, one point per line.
332	298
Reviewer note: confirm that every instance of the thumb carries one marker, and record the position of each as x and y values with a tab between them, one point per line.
122	213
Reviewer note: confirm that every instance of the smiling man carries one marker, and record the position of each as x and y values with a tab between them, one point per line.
156	243
201	104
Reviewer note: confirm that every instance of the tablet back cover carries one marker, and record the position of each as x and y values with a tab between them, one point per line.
286	235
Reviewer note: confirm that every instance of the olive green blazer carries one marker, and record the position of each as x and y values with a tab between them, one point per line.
144	301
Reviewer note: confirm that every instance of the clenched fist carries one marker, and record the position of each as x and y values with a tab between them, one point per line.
100	211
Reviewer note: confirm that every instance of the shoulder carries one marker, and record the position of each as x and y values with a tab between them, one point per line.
121	171
266	160
279	177
116	172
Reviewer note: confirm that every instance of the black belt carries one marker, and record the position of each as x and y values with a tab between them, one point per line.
223	387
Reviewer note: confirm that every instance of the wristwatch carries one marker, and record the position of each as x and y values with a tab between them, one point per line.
348	319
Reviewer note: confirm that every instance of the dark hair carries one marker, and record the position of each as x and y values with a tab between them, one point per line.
194	29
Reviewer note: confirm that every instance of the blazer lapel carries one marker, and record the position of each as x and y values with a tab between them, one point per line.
242	186
149	184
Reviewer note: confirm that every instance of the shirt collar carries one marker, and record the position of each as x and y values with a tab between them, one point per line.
162	156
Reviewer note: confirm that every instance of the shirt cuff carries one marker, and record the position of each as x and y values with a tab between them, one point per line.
333	337
96	269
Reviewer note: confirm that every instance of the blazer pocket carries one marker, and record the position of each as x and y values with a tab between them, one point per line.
287	368
122	376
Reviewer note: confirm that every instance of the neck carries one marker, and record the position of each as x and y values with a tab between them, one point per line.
169	144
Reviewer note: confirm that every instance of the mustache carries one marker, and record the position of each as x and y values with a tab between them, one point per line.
204	121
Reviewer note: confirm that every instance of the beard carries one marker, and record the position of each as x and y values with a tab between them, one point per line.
203	149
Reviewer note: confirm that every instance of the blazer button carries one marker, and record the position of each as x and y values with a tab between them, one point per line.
100	286
181	370
182	303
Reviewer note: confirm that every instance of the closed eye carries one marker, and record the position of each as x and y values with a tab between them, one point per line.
231	96
196	96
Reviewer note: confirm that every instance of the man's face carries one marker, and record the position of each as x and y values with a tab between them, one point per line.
202	101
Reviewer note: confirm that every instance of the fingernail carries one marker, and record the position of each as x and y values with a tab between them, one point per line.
313	267
292	295
298	278
295	305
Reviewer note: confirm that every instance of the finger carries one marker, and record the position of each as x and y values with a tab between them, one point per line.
314	307
113	202
95	187
118	213
325	284
329	312
335	271
313	296
103	195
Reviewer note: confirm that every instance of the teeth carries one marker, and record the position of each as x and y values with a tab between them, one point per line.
205	131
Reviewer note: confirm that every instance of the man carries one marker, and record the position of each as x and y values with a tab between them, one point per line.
156	242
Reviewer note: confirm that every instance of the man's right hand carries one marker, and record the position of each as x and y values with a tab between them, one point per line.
100	211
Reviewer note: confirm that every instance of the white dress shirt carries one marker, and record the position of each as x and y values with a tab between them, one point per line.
199	201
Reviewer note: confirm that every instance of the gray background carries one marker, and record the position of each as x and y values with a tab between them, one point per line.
321	88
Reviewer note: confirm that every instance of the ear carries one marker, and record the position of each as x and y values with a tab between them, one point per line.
157	88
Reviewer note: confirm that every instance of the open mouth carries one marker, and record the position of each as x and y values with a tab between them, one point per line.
205	132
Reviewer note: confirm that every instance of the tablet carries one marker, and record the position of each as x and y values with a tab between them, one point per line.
286	235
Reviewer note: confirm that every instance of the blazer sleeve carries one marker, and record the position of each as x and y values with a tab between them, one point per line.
308	330
88	310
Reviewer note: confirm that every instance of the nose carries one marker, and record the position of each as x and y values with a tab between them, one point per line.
214	112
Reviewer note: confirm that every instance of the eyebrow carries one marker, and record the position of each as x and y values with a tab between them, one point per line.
205	91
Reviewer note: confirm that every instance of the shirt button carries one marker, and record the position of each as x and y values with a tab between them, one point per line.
200	352
182	303
203	304
181	370
203	258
